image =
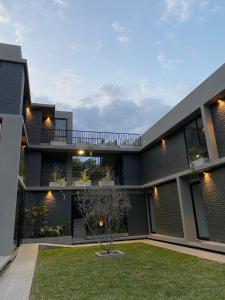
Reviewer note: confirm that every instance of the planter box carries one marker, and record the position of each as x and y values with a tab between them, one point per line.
198	162
124	146
104	145
56	184
106	183
58	143
82	145
82	183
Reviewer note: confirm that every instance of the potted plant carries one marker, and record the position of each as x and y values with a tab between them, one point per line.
82	142
84	180
196	158
107	143
107	180
126	144
56	179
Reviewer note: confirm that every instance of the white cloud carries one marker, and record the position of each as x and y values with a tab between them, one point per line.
62	3
167	64
122	36
98	46
20	32
4	14
181	10
68	83
123	39
117	27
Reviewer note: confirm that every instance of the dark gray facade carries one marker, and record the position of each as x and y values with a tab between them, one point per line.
166	157
166	208
218	118
11	87
163	162
213	192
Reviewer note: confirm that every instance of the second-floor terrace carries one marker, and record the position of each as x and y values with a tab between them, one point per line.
90	139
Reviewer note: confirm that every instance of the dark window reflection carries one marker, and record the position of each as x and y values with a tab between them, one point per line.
195	140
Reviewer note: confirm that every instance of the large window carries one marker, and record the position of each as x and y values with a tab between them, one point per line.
60	130
61	124
195	140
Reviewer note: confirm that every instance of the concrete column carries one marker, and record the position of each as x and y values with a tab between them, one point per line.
186	208
209	133
10	142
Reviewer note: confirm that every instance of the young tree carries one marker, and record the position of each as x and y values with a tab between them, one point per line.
103	210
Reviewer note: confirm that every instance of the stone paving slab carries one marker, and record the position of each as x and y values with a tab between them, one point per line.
16	280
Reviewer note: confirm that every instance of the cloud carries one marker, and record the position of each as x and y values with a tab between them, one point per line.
20	32
62	3
181	10
125	116
117	27
68	83
4	14
123	39
121	34
167	64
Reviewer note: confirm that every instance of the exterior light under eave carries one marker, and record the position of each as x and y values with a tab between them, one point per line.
81	152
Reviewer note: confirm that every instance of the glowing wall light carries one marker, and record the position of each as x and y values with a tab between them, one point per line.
49	198
81	152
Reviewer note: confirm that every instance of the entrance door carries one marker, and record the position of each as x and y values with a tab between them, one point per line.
79	227
151	212
199	211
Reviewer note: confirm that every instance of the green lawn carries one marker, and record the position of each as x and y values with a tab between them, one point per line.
145	272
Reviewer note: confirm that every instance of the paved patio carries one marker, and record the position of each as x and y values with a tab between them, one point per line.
16	280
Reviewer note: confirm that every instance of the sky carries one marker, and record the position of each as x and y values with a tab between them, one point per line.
119	65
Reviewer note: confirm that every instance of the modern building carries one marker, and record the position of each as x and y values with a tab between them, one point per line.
174	173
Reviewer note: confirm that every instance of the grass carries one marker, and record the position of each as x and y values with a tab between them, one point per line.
145	272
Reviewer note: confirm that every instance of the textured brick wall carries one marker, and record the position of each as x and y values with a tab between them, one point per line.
131	169
34	125
218	118
11	88
167	210
164	159
137	218
59	209
32	168
213	193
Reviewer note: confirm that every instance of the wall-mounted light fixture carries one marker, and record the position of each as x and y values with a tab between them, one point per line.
197	155
101	222
81	152
163	141
49	198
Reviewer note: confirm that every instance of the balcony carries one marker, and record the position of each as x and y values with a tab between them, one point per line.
87	139
80	179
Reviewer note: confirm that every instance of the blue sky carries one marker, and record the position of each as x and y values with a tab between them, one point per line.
118	64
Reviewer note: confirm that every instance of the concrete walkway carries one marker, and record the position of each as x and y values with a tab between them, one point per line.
16	280
190	251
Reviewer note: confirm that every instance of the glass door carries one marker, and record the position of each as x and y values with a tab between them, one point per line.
199	211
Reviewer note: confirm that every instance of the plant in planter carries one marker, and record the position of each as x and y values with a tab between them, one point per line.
82	142
56	179
103	210
36	219
126	144
84	180
107	179
196	158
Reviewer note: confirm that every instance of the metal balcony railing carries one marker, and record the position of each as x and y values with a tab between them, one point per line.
85	138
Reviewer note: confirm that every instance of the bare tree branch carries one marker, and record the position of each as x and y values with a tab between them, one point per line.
103	210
